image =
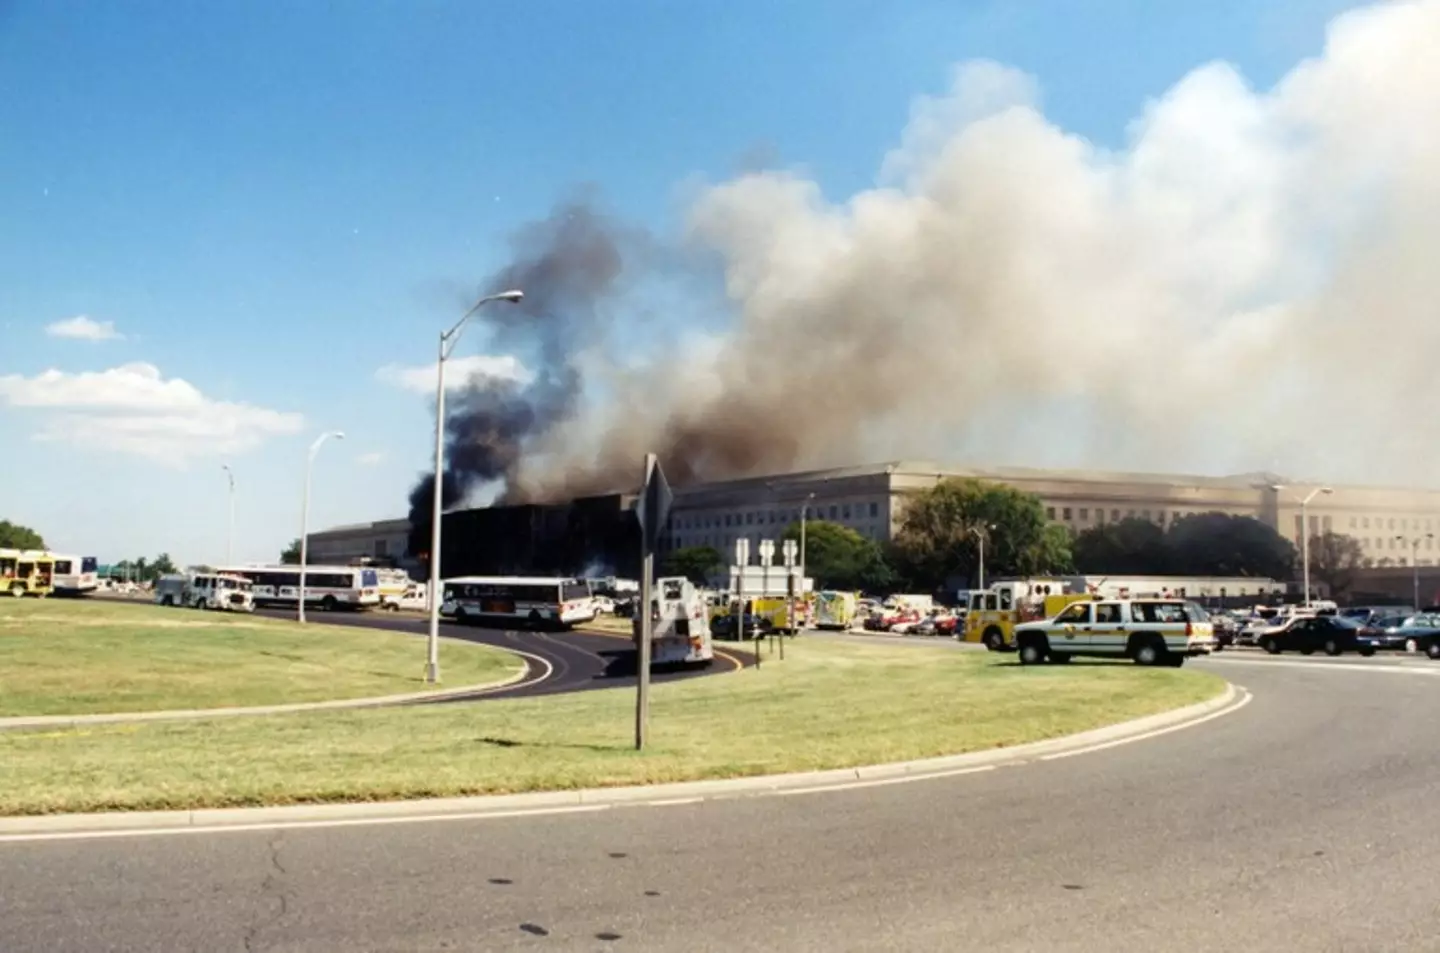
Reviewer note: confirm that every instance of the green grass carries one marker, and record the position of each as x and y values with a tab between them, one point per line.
828	705
68	657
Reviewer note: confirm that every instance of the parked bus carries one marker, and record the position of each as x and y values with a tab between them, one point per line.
75	575
26	573
536	600
329	587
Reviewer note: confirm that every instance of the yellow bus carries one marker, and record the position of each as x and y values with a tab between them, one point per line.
26	573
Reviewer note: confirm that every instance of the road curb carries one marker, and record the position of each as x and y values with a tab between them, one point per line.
122	823
33	722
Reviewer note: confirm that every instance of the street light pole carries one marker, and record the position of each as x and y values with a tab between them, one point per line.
448	340
980	535
230	535
305	515
1305	532
804	512
1415	562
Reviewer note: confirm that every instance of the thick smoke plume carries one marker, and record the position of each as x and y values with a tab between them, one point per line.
1248	284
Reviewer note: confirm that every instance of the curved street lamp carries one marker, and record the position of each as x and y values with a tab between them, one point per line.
305	514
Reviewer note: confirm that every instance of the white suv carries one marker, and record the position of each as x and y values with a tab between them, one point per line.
1150	631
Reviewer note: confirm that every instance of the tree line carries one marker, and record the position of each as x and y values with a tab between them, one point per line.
937	546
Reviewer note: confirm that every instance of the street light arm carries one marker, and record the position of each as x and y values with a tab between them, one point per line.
449	339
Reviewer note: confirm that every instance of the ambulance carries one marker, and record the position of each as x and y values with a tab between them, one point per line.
834	610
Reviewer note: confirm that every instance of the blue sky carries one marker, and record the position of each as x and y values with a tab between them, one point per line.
272	201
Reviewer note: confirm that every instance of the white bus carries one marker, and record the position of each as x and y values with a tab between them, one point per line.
537	600
329	587
75	575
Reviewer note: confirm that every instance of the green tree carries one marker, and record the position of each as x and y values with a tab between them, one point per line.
1131	546
1335	558
290	555
838	557
1221	544
162	566
695	563
15	536
937	538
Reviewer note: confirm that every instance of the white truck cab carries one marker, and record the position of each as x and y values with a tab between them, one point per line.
1149	631
206	590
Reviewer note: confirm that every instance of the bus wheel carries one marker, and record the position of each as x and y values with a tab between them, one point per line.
17	590
328	604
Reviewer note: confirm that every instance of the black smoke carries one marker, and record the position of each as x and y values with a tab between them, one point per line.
570	267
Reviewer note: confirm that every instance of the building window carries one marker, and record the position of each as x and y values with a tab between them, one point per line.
874	510
1129	514
727	519
847	511
1049	512
1327	524
1352	522
1364	522
382	548
1145	514
1067	514
1392	522
1084	514
1299	526
1114	516
834	511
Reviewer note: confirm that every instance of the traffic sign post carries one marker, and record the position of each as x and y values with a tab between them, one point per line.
652	510
767	556
788	550
742	559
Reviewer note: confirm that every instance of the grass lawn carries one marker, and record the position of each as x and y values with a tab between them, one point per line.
610	623
68	657
830	704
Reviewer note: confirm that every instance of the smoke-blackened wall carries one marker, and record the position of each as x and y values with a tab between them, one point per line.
546	539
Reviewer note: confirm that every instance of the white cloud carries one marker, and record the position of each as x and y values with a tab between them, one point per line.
373	459
460	372
83	328
133	409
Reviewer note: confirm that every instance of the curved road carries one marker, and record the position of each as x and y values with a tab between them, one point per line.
1304	821
577	661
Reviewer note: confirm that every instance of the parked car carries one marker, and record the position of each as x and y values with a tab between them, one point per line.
723	626
1419	633
1386	630
1328	633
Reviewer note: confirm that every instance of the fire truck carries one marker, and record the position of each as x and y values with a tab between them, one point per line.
679	624
993	613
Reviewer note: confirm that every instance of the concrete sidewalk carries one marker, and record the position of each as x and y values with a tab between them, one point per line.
119	824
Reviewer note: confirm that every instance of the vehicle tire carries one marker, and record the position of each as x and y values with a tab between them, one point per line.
1148	653
1173	660
1367	651
168	601
1060	658
1271	646
17	590
1432	649
1307	650
1332	647
994	639
1032	653
329	604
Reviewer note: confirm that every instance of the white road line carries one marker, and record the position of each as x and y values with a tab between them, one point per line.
300	825
673	801
1227	710
1317	666
881	782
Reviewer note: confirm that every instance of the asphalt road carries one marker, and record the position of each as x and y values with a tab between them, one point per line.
1304	821
578	661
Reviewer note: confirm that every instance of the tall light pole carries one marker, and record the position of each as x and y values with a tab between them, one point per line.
1415	561
230	536
804	513
980	534
305	514
1305	532
447	344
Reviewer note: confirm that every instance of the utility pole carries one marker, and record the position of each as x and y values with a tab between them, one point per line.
230	536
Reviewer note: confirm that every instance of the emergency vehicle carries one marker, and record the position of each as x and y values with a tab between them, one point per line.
26	573
834	610
679	624
993	613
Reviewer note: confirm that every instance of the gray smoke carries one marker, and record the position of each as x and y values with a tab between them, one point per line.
1248	283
